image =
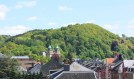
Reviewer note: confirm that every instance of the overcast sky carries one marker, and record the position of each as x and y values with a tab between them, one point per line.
19	16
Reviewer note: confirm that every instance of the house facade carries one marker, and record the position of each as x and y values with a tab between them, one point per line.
25	62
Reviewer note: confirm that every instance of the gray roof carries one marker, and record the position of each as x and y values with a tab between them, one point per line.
35	69
77	67
53	75
76	75
115	66
2	55
52	65
129	63
76	71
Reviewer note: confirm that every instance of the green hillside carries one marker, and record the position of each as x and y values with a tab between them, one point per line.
84	40
3	38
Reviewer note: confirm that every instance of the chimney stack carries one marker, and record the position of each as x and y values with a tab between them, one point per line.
66	67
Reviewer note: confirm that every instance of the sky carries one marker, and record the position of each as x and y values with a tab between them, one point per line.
19	16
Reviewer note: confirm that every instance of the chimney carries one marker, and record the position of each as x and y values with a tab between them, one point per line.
66	67
120	57
32	64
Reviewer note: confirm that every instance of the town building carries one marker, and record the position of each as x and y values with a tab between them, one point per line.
50	52
25	62
54	63
74	71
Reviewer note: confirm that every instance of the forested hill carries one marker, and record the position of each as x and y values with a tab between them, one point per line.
84	40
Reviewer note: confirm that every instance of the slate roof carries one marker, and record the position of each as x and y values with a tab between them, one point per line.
76	71
52	65
115	66
76	75
35	69
94	65
53	75
77	67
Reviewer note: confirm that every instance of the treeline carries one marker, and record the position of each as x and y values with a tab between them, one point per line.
83	40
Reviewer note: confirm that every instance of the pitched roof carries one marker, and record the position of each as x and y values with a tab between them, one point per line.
76	75
109	60
35	69
76	71
77	67
115	66
129	63
52	65
56	73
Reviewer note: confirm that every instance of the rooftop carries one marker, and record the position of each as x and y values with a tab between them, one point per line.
2	55
20	57
109	60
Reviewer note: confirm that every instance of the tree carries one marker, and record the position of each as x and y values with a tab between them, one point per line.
84	39
70	57
114	46
8	67
124	36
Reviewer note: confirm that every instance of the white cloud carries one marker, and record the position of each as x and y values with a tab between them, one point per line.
131	24
13	30
64	8
3	11
129	32
26	4
52	23
130	27
32	18
111	27
114	28
131	21
127	28
90	21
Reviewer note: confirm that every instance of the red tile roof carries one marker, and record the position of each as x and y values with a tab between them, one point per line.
109	60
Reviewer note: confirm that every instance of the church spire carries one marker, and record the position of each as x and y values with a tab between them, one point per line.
49	47
57	49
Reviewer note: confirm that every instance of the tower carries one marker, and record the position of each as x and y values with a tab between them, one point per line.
57	50
49	52
56	55
49	47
